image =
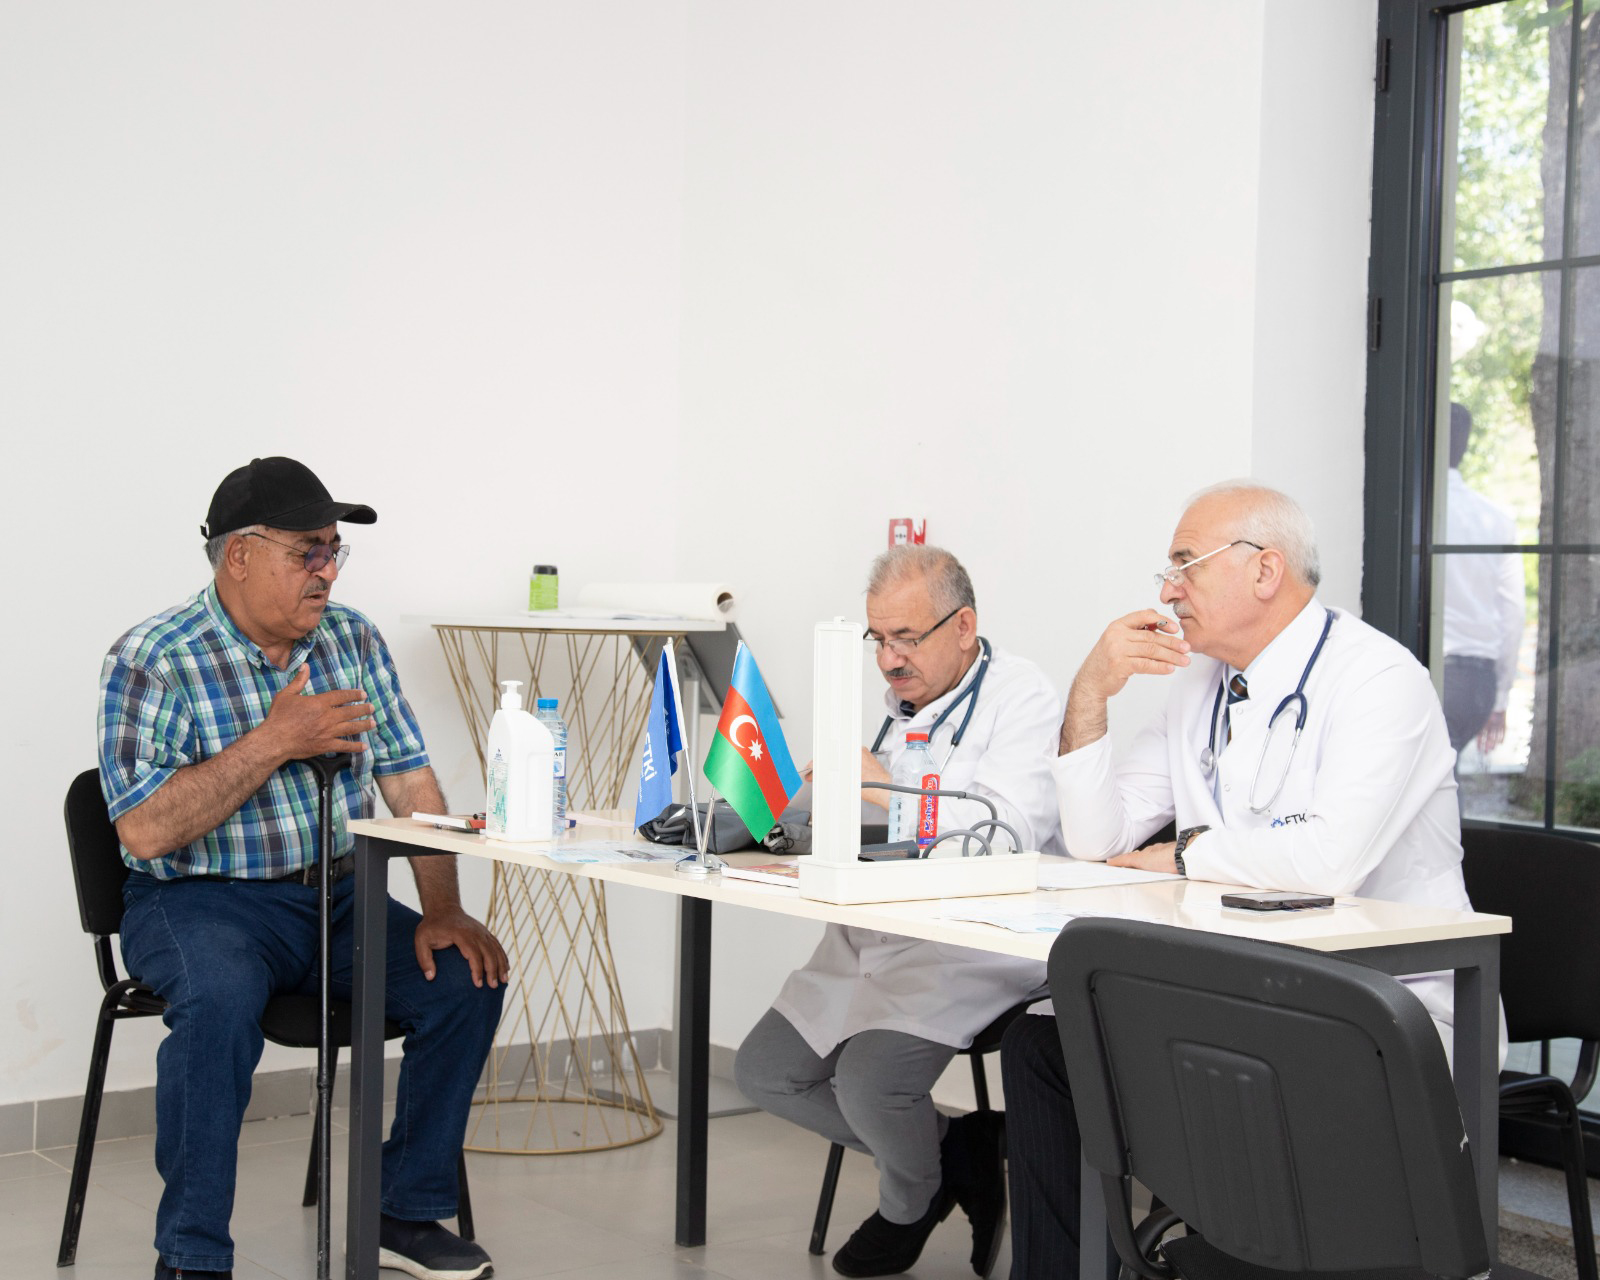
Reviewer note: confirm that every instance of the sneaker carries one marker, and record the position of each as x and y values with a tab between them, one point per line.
972	1156
879	1247
429	1252
164	1272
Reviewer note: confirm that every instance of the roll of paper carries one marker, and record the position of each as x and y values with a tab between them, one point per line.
703	601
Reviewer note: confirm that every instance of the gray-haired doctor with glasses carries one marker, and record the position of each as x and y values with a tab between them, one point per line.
856	1038
1299	749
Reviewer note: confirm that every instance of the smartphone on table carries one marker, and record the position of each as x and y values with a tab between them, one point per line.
1276	901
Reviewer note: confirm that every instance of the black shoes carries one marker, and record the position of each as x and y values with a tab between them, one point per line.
429	1252
972	1163
422	1249
973	1158
883	1248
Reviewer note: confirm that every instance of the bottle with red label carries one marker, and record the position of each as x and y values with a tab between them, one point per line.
914	817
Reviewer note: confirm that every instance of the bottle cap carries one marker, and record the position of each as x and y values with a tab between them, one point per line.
546	704
916	737
511	699
544	568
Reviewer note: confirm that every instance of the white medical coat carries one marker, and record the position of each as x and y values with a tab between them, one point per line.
859	979
1368	806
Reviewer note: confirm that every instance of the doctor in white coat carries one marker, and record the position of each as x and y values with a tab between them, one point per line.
1364	804
856	1039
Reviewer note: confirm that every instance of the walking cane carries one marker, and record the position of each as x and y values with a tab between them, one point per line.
325	768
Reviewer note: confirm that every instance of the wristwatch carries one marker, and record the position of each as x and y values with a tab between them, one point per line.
1184	836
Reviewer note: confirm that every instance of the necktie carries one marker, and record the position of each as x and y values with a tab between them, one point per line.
1238	691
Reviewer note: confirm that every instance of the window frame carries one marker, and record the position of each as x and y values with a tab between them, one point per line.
1402	353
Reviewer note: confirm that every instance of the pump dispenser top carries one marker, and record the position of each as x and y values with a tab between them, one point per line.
511	700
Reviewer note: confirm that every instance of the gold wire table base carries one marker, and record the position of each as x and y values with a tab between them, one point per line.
564	1075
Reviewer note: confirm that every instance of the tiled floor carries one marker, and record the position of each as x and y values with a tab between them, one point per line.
605	1215
599	1216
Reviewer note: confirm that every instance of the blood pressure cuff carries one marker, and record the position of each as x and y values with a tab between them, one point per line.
674	826
791	834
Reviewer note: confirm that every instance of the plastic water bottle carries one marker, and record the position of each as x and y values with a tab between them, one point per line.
910	769
558	730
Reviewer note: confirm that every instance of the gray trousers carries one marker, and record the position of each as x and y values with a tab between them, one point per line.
873	1094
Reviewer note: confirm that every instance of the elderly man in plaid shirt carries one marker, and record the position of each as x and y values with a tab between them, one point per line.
204	711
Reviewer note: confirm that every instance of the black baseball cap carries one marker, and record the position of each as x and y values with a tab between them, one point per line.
281	494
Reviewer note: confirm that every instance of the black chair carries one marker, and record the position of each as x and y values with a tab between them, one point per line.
1549	983
99	872
1294	1109
985	1042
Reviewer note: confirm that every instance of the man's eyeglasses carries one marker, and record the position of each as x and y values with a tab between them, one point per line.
901	647
1172	575
316	556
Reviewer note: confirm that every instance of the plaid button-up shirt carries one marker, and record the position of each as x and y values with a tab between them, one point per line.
180	687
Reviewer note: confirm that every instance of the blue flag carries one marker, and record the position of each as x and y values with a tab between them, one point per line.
663	739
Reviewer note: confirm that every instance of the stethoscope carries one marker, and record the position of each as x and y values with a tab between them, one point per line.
1297	700
969	695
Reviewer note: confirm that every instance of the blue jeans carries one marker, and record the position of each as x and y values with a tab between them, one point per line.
216	951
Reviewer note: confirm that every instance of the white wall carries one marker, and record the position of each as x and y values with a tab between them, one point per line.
432	249
1312	236
1031	271
1034	272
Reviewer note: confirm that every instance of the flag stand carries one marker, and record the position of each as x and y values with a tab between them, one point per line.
756	777
701	863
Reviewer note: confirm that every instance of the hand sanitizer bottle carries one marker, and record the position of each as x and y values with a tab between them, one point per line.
521	760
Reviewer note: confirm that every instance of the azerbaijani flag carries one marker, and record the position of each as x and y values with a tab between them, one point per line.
749	760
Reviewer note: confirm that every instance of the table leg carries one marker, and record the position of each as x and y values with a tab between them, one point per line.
693	1035
1476	1063
370	946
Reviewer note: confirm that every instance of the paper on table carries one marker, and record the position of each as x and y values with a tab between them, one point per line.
598	820
1082	874
579	851
786	874
1021	919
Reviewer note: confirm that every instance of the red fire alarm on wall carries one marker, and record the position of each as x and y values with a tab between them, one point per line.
902	532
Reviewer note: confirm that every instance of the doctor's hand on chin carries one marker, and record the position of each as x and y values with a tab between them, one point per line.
1142	643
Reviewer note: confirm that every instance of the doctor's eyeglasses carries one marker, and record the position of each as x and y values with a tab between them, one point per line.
903	646
1172	575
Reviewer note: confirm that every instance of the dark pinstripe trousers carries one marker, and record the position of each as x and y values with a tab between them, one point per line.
1042	1155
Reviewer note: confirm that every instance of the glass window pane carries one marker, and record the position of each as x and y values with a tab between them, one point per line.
1493	700
1586	214
1506	123
1501	335
1563	1062
1577	707
1580	448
